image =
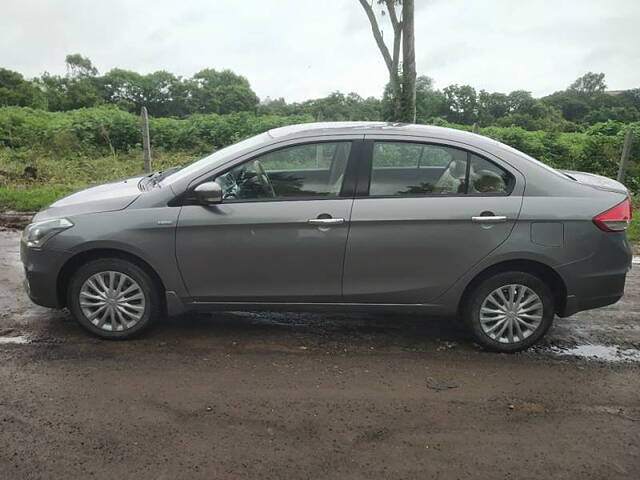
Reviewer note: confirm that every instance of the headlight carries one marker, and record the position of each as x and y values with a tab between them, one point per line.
36	234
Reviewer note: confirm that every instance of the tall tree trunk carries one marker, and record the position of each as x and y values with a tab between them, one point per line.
392	62
408	63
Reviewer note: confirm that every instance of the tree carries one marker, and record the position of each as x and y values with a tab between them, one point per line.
430	103
401	88
392	62
462	104
631	97
79	66
78	89
221	92
408	63
15	90
161	92
590	83
583	96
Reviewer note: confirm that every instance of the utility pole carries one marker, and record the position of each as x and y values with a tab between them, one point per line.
146	142
626	153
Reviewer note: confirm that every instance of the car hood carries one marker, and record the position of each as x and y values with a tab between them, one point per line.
102	198
597	181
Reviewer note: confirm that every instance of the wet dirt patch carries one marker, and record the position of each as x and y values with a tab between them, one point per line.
11	220
528	407
14	339
603	353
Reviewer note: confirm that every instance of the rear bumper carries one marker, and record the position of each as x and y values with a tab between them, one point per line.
575	305
598	280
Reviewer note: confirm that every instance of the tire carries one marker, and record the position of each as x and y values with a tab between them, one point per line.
516	332
140	307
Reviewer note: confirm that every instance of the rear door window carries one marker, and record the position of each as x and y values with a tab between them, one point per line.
405	169
400	169
488	178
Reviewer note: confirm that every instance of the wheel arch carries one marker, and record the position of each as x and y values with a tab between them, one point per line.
541	270
80	258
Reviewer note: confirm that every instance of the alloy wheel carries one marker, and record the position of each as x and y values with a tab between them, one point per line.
511	313
112	301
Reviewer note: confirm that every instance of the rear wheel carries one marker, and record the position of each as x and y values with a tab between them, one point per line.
113	298
510	311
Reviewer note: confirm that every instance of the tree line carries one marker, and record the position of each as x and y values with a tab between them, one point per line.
163	93
583	103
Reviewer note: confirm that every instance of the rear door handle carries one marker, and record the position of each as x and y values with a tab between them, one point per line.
489	219
325	222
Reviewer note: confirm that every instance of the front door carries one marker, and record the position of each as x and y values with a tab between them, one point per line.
280	233
426	214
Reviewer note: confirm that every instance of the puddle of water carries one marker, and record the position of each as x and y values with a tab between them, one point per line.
19	339
607	353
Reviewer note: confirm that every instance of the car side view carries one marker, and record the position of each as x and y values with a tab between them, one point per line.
339	216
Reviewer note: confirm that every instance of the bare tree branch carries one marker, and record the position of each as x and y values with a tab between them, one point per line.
397	40
378	37
397	33
392	14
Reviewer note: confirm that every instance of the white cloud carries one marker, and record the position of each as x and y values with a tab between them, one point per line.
302	49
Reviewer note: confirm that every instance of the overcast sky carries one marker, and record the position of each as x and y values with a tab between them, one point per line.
302	49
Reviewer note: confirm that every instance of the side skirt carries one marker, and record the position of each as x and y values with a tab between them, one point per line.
422	308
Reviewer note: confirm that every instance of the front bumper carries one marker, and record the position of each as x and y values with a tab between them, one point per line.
41	269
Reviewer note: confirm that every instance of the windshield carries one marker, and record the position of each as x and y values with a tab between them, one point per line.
217	156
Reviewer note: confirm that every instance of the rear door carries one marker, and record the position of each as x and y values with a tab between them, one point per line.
424	214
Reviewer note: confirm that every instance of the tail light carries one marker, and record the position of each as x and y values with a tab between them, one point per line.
616	219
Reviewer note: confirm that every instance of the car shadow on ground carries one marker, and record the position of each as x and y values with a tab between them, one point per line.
283	330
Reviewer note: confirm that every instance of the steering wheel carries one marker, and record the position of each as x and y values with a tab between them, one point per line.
263	178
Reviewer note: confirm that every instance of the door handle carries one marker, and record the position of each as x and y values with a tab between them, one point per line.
325	222
489	219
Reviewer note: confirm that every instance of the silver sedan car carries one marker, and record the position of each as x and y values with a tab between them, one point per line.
339	216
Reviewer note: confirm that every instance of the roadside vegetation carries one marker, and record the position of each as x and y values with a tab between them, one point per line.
63	133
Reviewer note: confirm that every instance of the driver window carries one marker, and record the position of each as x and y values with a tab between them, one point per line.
300	171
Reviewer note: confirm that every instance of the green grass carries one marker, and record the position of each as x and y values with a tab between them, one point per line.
57	176
25	199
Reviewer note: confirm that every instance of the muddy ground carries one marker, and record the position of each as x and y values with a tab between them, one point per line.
241	395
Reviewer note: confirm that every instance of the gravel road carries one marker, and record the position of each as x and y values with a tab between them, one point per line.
286	396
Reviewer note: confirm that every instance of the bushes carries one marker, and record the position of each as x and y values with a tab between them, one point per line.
108	130
107	134
597	151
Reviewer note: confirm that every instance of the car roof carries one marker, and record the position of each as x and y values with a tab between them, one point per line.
378	128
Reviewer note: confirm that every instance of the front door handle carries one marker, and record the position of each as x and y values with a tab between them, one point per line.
325	222
489	219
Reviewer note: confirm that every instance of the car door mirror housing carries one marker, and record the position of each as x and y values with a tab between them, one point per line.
208	193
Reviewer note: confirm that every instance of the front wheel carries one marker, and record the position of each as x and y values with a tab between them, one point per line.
113	298
509	312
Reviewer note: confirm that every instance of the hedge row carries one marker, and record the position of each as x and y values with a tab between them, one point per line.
108	130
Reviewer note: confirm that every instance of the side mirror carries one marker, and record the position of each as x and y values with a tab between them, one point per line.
208	193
